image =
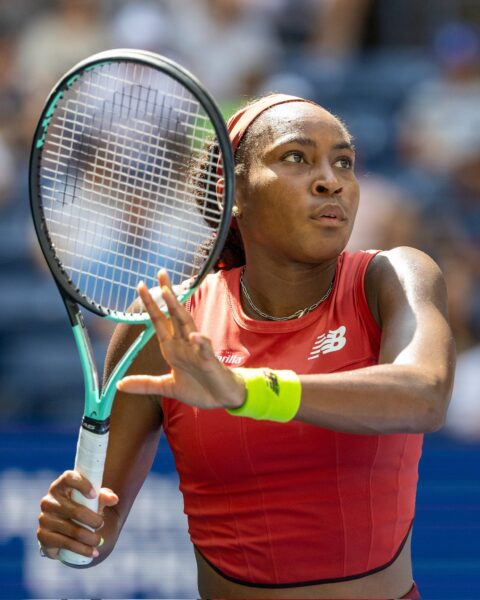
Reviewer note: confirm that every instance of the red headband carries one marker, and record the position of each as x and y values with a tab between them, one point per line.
238	123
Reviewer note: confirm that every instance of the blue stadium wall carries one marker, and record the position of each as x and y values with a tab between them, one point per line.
154	558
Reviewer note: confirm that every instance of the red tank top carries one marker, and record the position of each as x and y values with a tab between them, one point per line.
291	504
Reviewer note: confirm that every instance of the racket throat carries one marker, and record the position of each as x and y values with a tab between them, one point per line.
97	426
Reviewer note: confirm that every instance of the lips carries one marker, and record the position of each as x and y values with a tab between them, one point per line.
333	212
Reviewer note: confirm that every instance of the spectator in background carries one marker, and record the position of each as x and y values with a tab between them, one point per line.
229	44
339	26
8	116
439	137
145	24
452	232
386	218
442	116
62	35
318	39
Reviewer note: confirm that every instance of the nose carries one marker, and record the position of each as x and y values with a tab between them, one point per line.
325	182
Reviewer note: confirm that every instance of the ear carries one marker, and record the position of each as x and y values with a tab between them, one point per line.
239	200
220	186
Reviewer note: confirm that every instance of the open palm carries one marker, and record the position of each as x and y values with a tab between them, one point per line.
197	377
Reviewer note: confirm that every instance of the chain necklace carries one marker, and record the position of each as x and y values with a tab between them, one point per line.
296	315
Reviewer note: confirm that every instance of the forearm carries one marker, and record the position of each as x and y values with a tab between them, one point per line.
379	399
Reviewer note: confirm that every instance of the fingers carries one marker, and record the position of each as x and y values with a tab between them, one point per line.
180	323
204	345
73	480
59	500
60	517
56	532
181	319
146	384
159	320
106	498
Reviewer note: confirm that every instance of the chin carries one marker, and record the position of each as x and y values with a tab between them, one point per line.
328	250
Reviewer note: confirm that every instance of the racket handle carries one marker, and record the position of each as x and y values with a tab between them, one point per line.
90	462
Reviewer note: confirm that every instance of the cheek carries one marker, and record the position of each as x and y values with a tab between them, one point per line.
355	199
262	193
352	194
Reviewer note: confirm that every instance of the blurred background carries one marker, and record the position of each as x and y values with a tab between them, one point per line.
405	77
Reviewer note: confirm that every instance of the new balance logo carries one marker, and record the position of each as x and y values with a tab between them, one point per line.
332	341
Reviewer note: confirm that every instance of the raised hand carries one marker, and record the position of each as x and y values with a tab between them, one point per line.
197	377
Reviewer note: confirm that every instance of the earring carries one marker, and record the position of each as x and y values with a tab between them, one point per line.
235	211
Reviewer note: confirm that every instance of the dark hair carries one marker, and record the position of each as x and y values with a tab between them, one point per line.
233	254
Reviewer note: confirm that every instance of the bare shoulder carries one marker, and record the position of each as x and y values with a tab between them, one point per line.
405	274
404	261
416	271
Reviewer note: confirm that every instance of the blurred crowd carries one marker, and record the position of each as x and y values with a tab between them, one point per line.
403	75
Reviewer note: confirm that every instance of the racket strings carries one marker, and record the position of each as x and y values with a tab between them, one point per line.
118	194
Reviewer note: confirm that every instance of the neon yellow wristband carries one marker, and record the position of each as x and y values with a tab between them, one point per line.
270	395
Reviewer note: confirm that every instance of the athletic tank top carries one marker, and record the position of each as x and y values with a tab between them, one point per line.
289	504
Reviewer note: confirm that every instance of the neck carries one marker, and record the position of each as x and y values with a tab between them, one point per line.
281	292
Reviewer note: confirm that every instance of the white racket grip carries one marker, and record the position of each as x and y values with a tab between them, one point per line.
90	462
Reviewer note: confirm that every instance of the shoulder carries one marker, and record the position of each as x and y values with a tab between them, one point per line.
409	265
405	274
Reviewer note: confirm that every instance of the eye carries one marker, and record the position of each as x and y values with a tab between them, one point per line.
294	156
344	163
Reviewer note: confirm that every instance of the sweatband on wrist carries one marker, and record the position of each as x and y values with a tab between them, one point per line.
269	395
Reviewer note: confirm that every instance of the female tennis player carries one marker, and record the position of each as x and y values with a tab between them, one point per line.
294	387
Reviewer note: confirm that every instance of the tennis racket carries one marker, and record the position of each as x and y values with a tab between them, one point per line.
124	180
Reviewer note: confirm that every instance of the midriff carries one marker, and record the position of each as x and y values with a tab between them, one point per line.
392	582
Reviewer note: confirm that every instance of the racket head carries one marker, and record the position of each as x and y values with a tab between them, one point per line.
125	173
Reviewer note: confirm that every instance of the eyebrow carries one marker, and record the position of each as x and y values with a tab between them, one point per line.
344	146
304	141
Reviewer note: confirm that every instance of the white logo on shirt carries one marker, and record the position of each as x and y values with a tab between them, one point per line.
332	341
228	358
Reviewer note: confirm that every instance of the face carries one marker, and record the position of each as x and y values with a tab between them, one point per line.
299	196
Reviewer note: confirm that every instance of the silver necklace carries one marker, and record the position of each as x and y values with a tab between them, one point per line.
296	315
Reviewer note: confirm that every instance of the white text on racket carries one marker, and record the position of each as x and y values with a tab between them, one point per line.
332	341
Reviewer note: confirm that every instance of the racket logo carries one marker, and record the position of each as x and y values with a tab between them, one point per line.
332	341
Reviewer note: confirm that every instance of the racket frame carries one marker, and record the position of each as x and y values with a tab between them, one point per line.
94	430
98	404
192	84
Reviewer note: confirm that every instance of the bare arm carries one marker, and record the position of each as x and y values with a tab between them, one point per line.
410	389
134	434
